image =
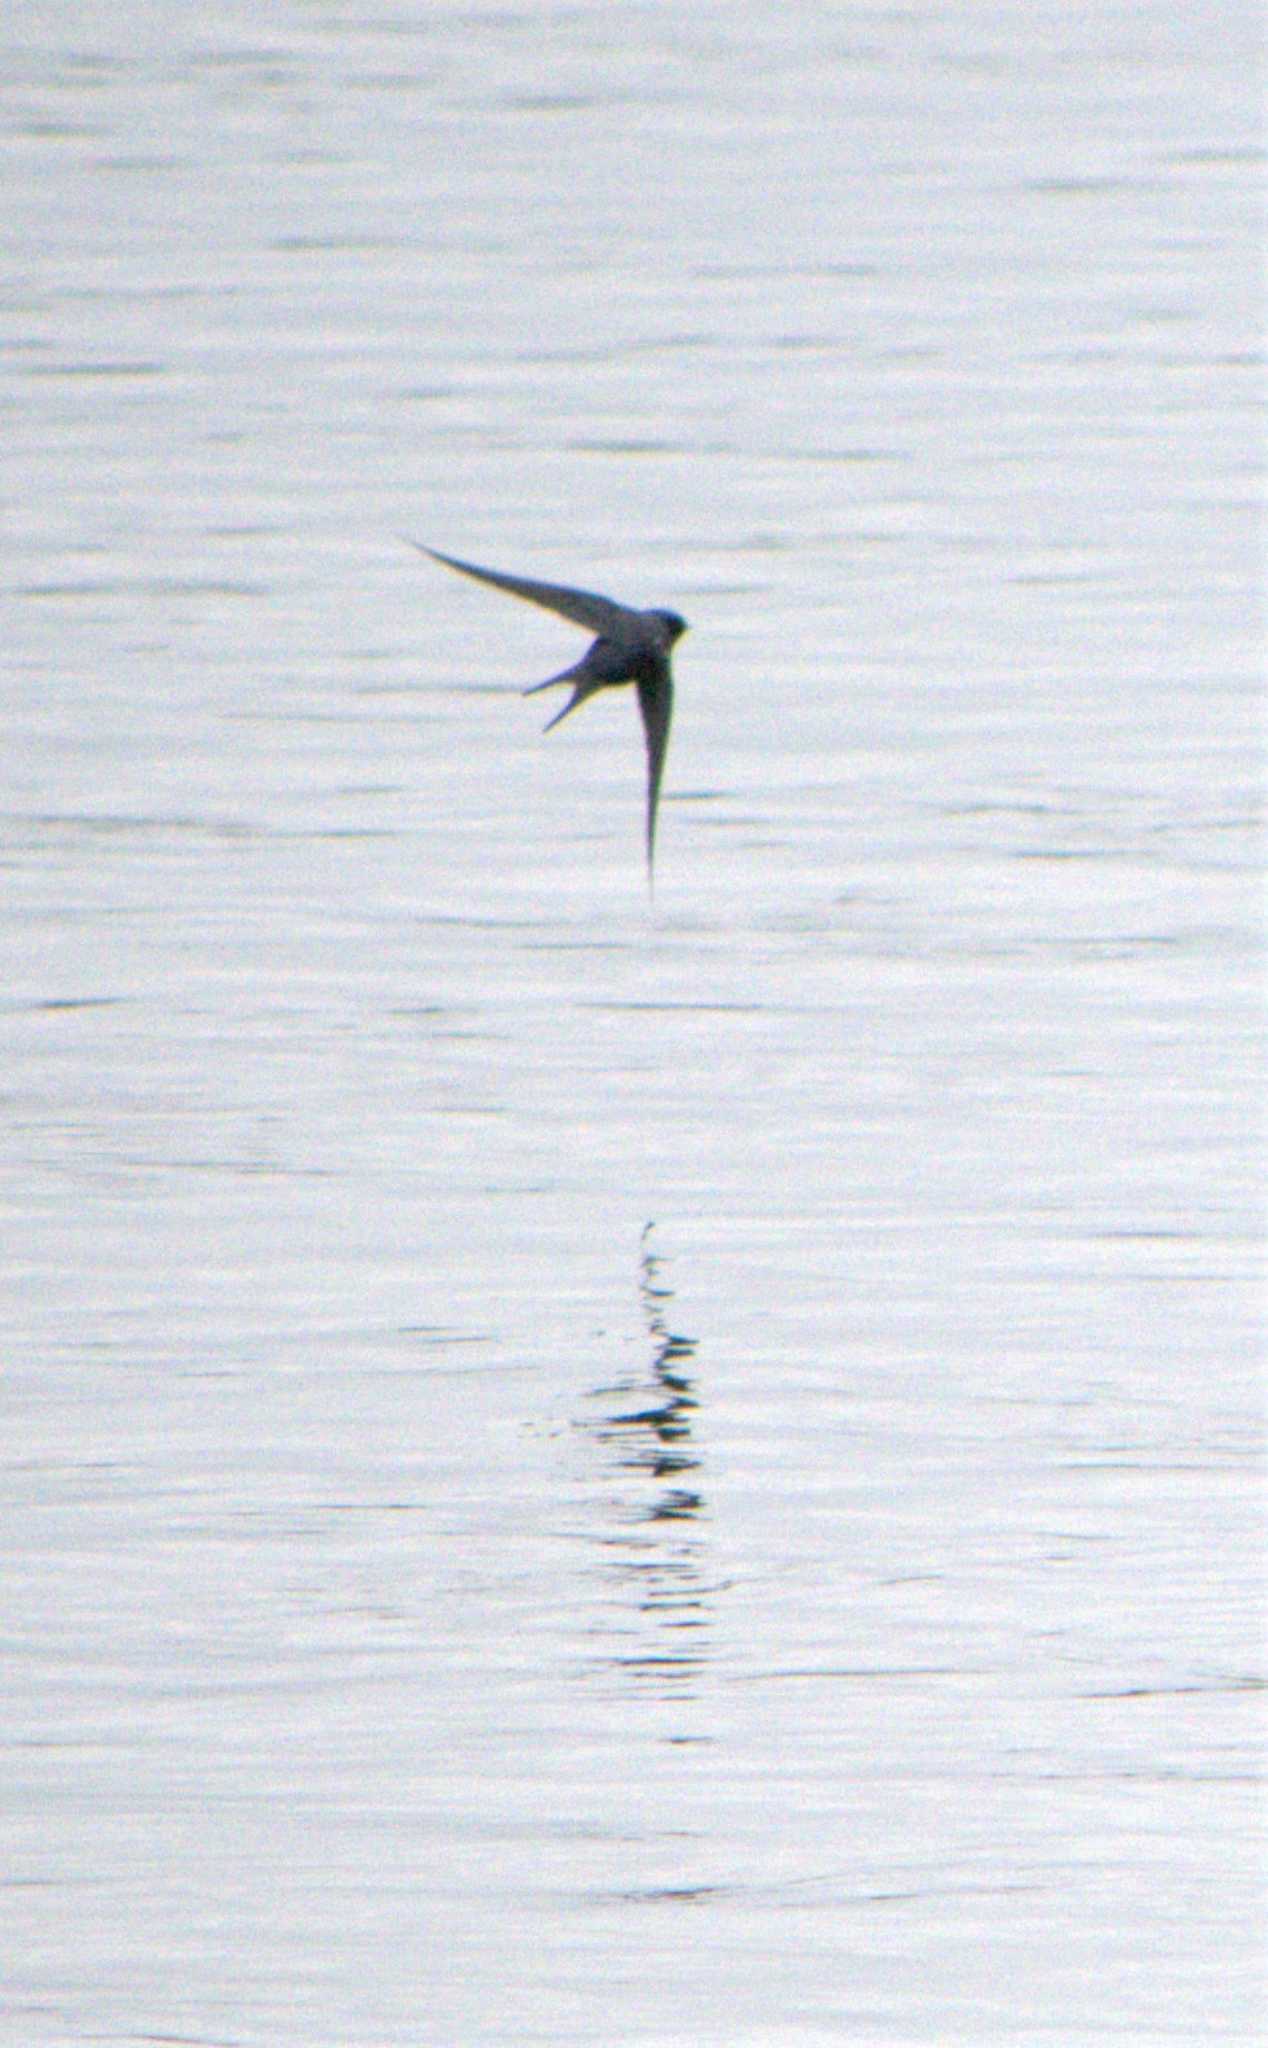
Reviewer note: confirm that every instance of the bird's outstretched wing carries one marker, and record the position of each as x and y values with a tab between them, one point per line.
582	607
656	702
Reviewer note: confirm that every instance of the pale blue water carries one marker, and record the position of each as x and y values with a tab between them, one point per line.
579	1470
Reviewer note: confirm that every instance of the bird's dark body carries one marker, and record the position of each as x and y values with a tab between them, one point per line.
630	647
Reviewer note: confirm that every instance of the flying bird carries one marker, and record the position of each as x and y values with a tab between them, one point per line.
632	647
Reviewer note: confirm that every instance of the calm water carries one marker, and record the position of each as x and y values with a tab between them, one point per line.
577	1470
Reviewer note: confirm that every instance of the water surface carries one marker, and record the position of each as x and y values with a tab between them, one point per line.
582	1470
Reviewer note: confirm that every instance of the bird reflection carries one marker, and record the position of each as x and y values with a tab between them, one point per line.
649	1422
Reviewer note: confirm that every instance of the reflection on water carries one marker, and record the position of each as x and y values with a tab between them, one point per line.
649	1424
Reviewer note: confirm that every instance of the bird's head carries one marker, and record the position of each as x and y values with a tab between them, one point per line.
670	625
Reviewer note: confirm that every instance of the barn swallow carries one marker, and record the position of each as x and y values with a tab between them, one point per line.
632	647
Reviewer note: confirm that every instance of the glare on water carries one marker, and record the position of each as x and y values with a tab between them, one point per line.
585	1469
